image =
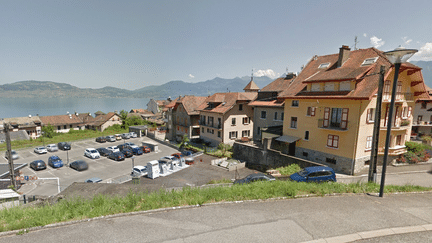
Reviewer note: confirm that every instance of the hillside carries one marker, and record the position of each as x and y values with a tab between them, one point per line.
49	89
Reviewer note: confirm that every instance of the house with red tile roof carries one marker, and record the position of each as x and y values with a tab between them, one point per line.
183	117
63	123
330	108
422	116
268	110
102	122
32	125
226	117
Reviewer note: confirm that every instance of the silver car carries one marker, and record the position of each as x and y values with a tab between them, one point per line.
14	155
40	150
52	147
110	138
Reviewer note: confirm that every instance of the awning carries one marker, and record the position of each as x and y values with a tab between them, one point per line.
287	139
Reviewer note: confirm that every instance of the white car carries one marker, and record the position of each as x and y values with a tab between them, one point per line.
14	155
130	144
110	138
40	150
139	170
113	149
133	135
92	153
52	147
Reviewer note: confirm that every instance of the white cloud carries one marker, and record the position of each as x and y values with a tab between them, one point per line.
376	42
406	40
364	34
191	76
269	73
425	53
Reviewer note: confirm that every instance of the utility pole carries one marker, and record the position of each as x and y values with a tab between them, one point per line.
9	154
377	123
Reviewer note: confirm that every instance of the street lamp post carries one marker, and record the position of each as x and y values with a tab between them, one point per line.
396	57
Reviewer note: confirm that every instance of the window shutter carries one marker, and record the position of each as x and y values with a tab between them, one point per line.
326	116
409	111
330	140
344	122
335	141
386	116
368	117
313	111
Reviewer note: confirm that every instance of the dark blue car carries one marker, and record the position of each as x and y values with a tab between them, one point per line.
314	174
55	162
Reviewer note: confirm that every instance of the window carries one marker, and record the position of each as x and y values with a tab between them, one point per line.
210	121
259	130
295	103
330	86
333	141
423	105
233	135
58	128
399	140
306	135
305	154
370	115
409	111
404	112
324	65
70	126
331	160
369	142
263	114
245	120
246	133
345	86
310	111
275	116
219	122
293	122
369	61
316	87
208	130
202	129
240	107
64	126
219	134
419	118
233	121
282	116
337	119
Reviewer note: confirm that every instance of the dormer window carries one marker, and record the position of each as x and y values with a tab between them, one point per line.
324	65
369	61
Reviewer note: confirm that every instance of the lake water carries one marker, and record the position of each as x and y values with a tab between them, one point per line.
19	107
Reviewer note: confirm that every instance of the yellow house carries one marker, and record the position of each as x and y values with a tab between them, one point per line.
330	108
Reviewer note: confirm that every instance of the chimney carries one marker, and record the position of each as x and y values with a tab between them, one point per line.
290	75
344	52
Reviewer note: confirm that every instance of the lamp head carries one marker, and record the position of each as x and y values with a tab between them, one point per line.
400	55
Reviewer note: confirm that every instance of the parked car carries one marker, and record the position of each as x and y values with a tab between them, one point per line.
118	136
64	146
169	157
103	151
40	150
145	149
255	177
125	136
116	156
187	152
101	140
14	155
79	165
92	153
52	147
113	149
139	170
122	146
110	138
38	165
315	174
93	180
177	155
133	135
127	152
129	144
136	150
55	162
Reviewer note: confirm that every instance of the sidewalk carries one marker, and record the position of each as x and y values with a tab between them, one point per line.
391	169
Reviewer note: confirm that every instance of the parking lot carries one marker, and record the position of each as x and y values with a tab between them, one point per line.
108	170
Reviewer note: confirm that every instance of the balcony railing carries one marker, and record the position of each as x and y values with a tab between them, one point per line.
422	123
399	97
397	150
342	126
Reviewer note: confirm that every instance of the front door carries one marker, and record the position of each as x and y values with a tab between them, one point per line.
291	149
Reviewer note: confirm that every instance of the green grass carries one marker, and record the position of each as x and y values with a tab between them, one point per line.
289	170
71	136
222	181
19	218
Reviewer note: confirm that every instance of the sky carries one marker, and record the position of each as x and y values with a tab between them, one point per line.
133	44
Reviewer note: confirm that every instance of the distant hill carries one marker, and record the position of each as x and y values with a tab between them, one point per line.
426	71
31	89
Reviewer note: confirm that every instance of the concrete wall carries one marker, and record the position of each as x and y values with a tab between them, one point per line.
269	158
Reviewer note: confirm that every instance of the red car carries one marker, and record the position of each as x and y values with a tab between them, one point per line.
145	149
177	155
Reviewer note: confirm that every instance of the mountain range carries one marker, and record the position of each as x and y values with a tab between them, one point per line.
49	89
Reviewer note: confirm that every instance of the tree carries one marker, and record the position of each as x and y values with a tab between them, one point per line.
48	131
185	142
123	116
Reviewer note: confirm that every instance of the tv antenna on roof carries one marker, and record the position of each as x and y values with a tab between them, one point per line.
355	43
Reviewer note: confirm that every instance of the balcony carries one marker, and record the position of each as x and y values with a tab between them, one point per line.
333	125
398	125
400	97
422	123
393	151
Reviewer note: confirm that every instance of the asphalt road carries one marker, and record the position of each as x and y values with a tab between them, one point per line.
320	219
106	169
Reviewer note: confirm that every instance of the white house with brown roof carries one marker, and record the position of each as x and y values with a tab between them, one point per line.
32	125
102	122
226	117
63	123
